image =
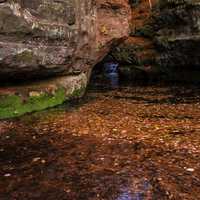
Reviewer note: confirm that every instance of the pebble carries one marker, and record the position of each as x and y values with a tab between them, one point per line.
124	131
190	169
7	175
36	159
43	161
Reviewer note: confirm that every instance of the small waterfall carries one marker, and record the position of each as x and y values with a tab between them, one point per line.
111	74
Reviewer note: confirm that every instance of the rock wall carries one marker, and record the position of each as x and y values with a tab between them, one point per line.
178	33
49	38
164	41
137	54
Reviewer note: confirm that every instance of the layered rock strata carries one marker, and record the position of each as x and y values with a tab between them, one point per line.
50	38
164	41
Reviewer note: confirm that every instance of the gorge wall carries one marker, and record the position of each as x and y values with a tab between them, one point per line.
48	37
164	41
178	38
58	40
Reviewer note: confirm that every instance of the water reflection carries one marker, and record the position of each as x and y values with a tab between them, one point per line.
138	191
126	195
77	154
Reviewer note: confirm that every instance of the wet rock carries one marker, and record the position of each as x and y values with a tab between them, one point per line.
171	30
50	37
21	99
178	34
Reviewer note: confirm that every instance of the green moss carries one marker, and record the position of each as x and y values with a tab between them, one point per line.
78	92
13	106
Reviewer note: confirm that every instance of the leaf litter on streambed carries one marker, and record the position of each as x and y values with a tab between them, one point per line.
132	143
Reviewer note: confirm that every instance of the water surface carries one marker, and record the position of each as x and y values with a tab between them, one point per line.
132	143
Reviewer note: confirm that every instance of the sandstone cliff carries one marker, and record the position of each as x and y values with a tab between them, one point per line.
49	38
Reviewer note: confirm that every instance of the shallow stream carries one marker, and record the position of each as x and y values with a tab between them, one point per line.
131	143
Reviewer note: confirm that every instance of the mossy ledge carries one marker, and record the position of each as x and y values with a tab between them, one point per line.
15	102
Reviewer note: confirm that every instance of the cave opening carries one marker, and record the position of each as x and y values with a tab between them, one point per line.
105	74
110	73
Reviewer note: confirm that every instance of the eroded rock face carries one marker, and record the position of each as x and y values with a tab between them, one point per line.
58	39
49	37
178	37
164	41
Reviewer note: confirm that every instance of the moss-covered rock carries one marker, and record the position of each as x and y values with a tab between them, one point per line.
13	105
16	101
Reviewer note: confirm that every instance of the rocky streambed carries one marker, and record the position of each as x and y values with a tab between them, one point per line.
127	144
